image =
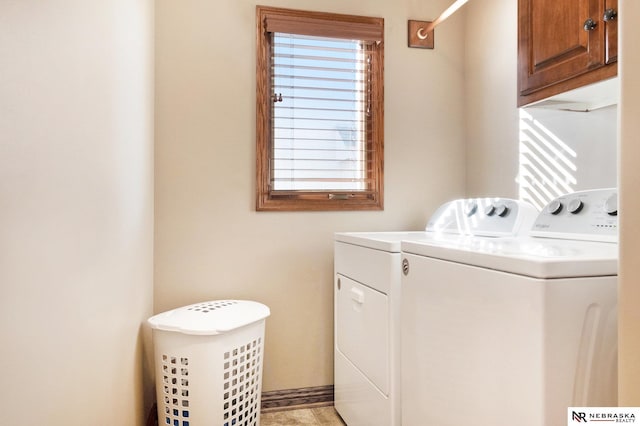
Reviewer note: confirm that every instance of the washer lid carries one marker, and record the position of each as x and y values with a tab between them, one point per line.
209	318
534	257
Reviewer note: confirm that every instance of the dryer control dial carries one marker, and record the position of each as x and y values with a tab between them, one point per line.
502	210
554	207
490	210
611	205
471	208
575	206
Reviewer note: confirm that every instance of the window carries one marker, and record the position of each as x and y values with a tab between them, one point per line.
319	131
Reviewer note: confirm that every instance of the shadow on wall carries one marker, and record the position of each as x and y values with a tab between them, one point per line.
565	151
547	165
145	340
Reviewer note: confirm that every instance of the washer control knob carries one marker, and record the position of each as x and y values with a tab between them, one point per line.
554	207
575	206
471	208
502	210
611	205
490	210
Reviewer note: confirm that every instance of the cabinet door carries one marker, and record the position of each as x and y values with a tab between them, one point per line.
611	33
553	45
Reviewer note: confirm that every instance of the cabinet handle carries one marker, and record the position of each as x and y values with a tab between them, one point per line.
590	25
610	15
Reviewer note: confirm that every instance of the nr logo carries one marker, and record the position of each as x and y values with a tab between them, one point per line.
579	417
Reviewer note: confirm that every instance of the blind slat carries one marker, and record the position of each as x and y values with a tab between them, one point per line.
299	108
316	78
311	58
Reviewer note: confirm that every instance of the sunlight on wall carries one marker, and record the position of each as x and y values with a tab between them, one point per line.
547	165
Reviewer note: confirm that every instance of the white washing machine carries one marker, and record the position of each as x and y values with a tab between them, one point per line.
367	302
513	331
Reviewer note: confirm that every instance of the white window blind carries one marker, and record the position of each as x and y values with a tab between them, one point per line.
321	95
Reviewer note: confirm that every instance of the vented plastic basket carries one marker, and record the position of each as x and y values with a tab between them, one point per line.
209	363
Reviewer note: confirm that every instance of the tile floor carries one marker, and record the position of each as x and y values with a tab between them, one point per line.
320	416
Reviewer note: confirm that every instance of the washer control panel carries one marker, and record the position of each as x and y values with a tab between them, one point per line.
483	216
586	215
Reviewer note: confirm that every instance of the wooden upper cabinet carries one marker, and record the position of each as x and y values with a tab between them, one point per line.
611	32
555	51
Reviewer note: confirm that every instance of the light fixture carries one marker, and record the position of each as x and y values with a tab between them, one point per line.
421	32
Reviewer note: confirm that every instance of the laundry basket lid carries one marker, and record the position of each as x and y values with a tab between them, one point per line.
208	318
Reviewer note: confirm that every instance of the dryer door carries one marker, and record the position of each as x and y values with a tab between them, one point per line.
363	330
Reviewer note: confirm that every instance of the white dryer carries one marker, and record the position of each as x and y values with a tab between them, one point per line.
516	330
367	299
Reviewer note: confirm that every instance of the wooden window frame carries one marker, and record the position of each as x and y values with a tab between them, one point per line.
321	24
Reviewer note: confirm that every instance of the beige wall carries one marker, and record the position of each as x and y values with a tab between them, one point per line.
76	219
210	242
491	38
629	288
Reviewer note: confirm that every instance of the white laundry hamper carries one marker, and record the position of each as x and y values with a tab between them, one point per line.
208	360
